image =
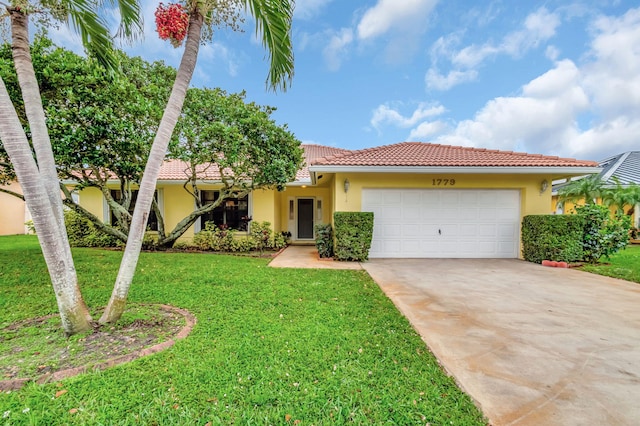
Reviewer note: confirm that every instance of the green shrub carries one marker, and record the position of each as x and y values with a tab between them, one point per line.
587	235
280	241
354	231
83	233
324	240
260	238
552	237
262	235
214	238
604	234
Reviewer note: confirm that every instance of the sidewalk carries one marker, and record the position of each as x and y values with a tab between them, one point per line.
307	257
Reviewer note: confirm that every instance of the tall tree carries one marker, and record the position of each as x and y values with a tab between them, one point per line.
38	176
273	27
102	129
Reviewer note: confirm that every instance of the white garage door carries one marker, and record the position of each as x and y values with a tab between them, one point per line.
443	223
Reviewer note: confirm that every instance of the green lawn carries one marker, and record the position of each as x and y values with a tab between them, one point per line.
625	264
271	346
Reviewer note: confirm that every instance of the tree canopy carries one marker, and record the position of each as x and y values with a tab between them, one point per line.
102	127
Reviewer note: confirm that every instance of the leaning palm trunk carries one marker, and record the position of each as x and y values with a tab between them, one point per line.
40	181
116	305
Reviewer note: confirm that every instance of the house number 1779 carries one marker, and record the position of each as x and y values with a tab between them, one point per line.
443	182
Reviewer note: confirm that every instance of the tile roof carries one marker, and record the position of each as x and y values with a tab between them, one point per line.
177	170
313	152
624	167
419	154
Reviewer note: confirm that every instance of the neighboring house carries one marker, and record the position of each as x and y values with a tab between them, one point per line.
623	169
428	200
13	212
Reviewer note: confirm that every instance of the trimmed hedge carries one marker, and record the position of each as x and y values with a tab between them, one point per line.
552	237
324	240
354	231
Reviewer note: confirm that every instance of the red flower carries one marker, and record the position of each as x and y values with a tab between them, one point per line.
172	23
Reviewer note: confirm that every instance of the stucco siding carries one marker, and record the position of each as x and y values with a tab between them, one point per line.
12	212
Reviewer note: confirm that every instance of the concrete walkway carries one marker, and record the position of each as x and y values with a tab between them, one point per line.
307	257
532	345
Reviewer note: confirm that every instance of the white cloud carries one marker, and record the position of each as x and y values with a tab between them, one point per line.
308	9
541	119
426	130
539	26
545	116
614	76
394	14
437	81
337	49
385	114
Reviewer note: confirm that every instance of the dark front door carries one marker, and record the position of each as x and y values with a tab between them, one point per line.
305	218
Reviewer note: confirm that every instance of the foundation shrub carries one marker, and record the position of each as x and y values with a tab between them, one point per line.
552	237
324	240
353	231
83	233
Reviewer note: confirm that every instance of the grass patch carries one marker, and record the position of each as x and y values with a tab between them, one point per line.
624	265
271	346
38	346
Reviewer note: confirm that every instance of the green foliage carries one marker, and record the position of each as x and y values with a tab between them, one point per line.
214	238
587	189
261	234
625	265
354	231
31	228
83	233
324	240
621	196
261	237
324	346
587	236
240	138
552	237
604	234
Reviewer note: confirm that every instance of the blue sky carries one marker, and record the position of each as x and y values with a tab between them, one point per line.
549	77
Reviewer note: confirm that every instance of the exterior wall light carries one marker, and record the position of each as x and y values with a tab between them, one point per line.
544	185
347	184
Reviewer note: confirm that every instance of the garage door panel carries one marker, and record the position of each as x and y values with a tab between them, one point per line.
472	223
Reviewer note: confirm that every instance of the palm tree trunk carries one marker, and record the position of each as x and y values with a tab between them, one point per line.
116	304
36	117
40	182
73	311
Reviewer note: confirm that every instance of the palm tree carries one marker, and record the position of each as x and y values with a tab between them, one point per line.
588	189
273	25
38	176
621	196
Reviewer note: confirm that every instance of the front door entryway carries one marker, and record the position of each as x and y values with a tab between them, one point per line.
305	218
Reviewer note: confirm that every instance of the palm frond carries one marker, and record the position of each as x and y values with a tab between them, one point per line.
131	22
93	30
273	26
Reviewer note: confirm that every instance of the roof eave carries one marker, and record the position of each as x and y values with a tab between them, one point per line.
565	170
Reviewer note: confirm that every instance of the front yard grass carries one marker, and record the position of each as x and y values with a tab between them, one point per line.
271	346
625	265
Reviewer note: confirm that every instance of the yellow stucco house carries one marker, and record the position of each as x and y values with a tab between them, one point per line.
618	170
13	212
428	200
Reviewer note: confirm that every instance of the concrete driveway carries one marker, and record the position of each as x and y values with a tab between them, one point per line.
532	345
